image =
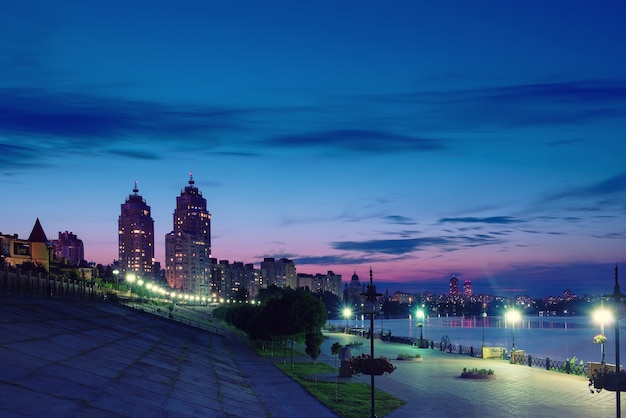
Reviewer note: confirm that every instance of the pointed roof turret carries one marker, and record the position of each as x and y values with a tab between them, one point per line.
37	234
136	188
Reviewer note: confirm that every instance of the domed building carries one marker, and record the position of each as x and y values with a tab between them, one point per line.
353	291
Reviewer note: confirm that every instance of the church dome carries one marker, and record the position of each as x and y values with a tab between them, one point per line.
354	283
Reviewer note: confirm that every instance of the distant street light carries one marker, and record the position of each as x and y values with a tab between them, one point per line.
116	273
347	313
420	317
484	315
617	297
602	316
512	316
130	278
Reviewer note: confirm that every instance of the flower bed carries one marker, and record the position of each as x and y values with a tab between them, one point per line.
365	364
478	374
409	357
608	380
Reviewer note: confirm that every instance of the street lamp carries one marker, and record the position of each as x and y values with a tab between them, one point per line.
130	278
484	315
420	317
347	313
617	296
116	272
371	308
602	316
512	316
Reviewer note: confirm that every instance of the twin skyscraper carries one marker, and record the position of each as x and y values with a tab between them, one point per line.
187	246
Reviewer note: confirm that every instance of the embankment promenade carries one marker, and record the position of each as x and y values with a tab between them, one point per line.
63	358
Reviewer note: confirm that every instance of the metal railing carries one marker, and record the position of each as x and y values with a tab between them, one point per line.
567	366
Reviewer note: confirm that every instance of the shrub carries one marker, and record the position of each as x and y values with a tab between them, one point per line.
403	355
478	371
577	369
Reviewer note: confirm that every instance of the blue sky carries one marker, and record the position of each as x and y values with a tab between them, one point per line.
483	139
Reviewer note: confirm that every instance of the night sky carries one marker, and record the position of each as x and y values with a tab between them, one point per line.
424	139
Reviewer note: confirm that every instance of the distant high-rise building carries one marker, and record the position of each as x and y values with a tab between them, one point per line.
454	286
268	267
320	283
286	273
188	246
69	247
281	273
136	237
468	290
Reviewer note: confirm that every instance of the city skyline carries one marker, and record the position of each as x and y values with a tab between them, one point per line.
424	140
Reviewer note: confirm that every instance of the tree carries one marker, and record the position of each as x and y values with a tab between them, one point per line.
294	315
335	349
313	341
332	302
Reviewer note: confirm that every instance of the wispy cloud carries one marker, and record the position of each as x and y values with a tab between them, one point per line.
489	220
359	141
38	126
408	245
524	105
330	260
610	186
399	220
35	112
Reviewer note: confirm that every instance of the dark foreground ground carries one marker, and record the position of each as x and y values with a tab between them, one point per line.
73	359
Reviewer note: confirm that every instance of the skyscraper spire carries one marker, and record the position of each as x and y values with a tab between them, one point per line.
188	246
136	236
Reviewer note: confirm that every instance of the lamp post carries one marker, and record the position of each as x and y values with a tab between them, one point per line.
484	315
371	308
347	313
602	316
116	273
420	317
512	316
130	278
617	296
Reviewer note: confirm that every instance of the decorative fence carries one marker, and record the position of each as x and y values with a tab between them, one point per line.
19	284
520	357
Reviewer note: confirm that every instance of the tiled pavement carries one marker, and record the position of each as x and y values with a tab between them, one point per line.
71	359
433	388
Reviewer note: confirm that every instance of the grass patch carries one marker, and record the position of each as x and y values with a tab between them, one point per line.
276	350
346	399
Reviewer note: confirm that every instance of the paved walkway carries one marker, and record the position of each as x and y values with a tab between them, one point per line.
433	388
74	359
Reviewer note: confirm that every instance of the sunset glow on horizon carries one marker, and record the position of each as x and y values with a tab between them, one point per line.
482	139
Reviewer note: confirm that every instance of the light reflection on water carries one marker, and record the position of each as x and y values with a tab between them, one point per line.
557	338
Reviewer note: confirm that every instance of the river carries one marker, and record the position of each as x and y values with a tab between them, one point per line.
556	338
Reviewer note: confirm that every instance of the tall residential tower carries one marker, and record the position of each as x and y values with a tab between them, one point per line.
136	237
188	246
